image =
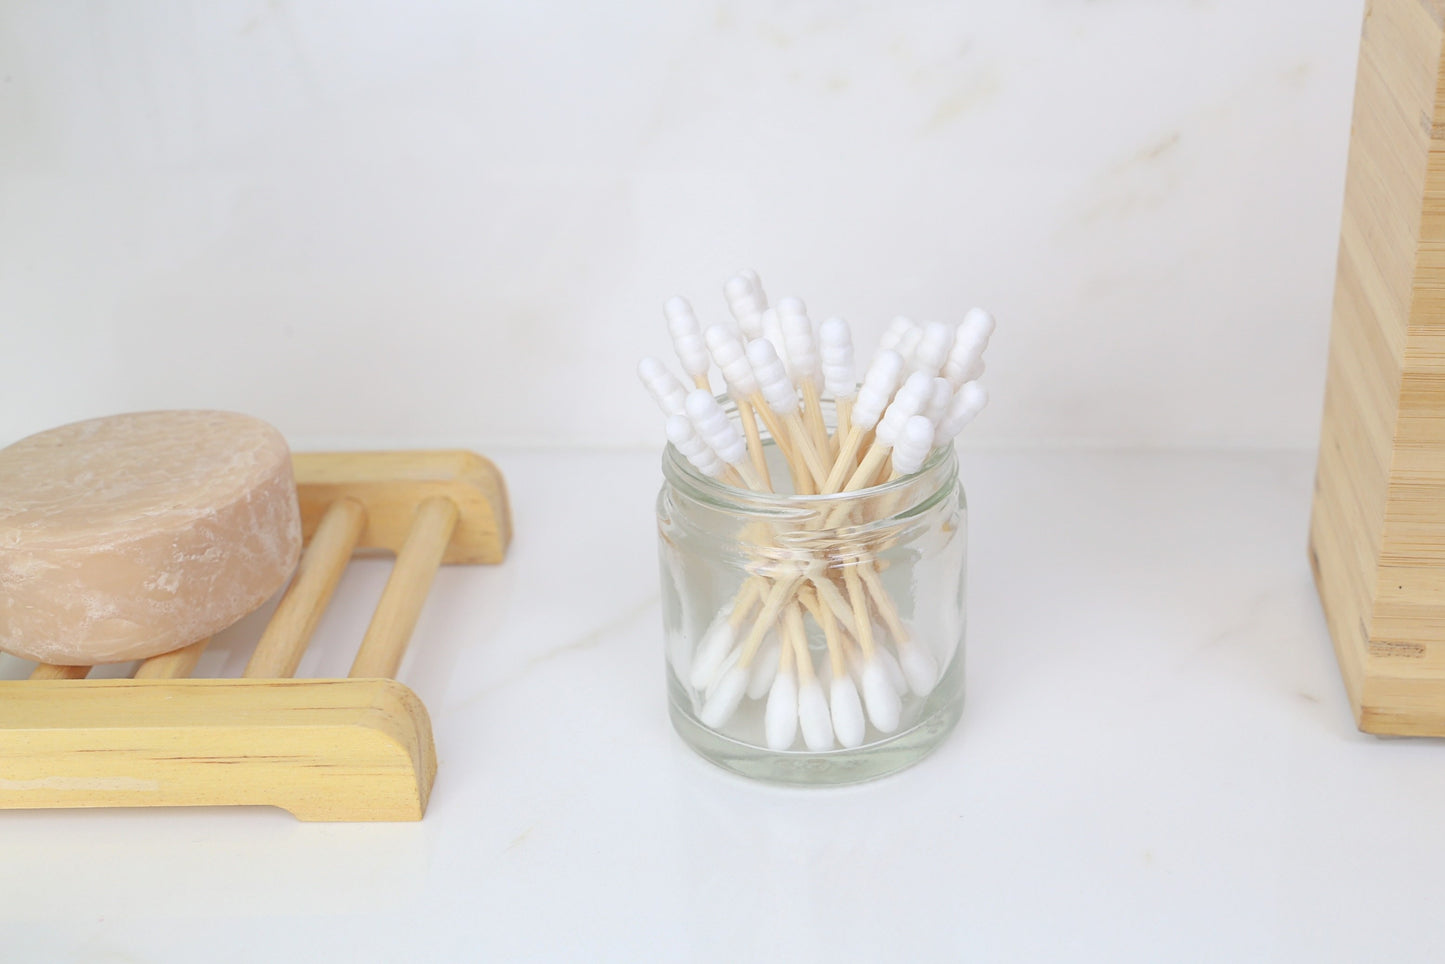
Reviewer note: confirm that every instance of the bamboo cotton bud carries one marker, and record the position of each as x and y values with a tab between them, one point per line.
880	696
732	359
711	652
913	445
909	402
772	377
662	385
813	717
964	408
879	384
780	720
687	338
847	712
724	701
764	669
893	334
684	438
803	361
908	344
933	348
773	332
965	358
939	401
835	345
752	278
717	431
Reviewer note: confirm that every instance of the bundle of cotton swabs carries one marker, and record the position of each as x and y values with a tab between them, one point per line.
919	391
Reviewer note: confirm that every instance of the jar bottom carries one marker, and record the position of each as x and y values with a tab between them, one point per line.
837	767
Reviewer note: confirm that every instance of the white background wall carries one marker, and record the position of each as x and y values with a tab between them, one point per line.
408	223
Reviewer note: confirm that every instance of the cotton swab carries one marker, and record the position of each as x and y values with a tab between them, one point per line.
843	704
722	436
879	384
780	718
908	402
965	358
840	378
894	333
747	303
964	408
908	344
933	348
781	397
765	667
728	354
719	638
662	385
914	443
814	718
687	341
939	401
804	366
683	436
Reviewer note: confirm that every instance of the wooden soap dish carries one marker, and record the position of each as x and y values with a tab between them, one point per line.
325	749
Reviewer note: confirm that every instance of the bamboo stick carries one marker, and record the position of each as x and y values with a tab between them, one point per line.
177	664
396	614
284	642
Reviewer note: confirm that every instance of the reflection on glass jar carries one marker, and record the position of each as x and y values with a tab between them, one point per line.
813	639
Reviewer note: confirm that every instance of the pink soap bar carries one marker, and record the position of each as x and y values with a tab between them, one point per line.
133	535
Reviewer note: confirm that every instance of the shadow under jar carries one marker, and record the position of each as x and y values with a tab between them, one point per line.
813	639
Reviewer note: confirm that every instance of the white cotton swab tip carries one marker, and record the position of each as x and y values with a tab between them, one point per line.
879	384
686	333
879	695
964	408
738	289
847	711
835	346
752	278
717	431
909	401
772	377
684	438
891	669
724	701
662	385
893	334
908	344
802	344
932	350
813	717
728	353
965	357
913	445
711	652
919	667
939	401
764	669
780	719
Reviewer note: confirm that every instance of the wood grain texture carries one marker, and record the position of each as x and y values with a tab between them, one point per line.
285	639
406	590
354	749
1377	533
321	749
390	485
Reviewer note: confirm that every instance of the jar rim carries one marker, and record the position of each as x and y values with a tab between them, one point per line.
941	462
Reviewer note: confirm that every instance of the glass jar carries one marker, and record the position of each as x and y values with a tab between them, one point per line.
813	639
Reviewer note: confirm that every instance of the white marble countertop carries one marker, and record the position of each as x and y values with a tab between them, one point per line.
1156	762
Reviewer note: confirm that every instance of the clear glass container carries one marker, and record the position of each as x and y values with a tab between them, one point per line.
763	597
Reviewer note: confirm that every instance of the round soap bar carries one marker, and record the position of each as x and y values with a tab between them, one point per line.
133	535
